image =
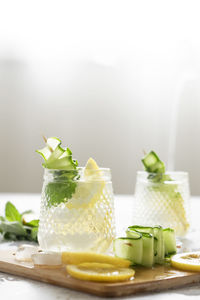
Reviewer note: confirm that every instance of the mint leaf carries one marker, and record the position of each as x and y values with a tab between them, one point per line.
13	227
10	236
58	192
33	223
12	214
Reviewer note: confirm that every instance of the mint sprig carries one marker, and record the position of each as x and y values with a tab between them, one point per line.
13	226
59	192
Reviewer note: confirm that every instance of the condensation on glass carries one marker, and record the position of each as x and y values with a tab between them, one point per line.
85	222
164	203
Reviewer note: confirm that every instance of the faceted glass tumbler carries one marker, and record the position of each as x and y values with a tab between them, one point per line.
164	202
76	214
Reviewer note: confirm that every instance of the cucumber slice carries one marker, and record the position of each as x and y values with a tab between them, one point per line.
130	248
158	244
65	163
141	229
45	152
153	164
56	154
148	243
53	143
67	152
169	241
148	249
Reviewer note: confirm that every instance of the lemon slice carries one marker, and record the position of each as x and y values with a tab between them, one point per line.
76	258
189	261
99	272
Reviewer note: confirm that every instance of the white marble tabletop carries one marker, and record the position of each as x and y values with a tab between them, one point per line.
13	287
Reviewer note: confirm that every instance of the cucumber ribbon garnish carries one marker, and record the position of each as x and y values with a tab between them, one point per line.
63	186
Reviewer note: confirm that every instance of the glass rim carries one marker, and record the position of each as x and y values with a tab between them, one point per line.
78	169
77	174
167	172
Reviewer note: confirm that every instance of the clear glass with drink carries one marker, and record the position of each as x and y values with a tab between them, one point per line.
77	210
162	199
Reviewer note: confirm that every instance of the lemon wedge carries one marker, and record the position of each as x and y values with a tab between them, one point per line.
189	261
76	258
89	190
92	170
100	272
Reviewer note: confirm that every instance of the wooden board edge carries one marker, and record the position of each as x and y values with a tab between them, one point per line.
108	290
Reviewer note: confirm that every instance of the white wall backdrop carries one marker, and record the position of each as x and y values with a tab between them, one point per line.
110	78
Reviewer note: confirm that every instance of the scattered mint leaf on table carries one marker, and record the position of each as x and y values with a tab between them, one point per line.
13	227
33	223
11	213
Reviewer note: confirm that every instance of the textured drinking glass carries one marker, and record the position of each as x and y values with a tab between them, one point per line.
164	203
85	222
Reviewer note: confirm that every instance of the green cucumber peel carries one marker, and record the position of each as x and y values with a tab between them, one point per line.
152	163
65	174
129	248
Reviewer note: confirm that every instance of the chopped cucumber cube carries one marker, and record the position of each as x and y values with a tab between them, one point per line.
153	164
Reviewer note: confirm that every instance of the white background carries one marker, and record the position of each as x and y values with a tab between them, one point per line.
110	78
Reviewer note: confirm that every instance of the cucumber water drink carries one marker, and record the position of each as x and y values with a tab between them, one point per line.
161	197
77	210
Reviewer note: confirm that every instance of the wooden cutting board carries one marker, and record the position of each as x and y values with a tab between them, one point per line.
146	280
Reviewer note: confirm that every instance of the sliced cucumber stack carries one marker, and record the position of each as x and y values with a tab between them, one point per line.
146	246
